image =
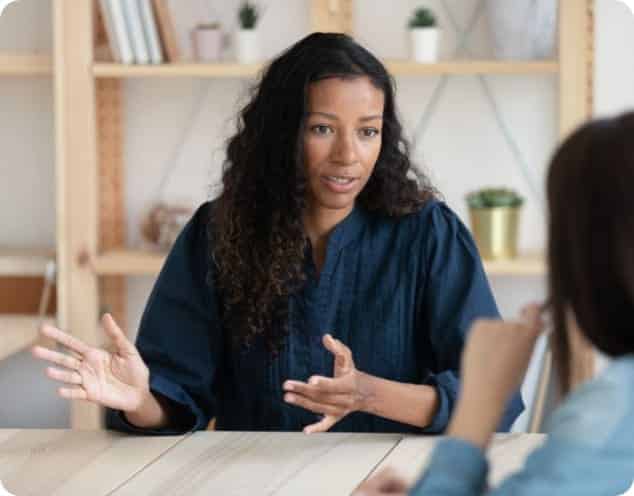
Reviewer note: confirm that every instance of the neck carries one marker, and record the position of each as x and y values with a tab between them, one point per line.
319	223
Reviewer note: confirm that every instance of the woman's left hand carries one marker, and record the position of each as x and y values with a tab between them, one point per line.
386	482
333	397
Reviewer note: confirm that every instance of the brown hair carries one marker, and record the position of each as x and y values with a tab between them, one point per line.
591	239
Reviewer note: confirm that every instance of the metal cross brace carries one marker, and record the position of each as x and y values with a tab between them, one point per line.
430	108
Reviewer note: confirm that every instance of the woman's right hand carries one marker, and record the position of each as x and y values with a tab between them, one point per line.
117	380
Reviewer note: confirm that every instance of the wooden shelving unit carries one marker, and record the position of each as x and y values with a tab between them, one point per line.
25	261
83	263
470	67
523	266
147	263
21	65
129	262
396	67
219	70
18	333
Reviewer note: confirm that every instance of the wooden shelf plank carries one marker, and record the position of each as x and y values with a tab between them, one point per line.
139	262
466	67
25	65
25	262
217	70
18	332
396	67
130	262
524	265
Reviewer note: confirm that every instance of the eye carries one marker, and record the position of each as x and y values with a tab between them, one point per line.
321	129
369	132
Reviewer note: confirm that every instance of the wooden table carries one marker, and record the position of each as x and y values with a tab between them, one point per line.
66	462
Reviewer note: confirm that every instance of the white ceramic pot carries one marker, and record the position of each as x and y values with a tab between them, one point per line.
207	44
247	47
522	29
424	44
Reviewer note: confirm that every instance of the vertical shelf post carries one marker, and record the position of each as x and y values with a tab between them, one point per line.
576	30
76	171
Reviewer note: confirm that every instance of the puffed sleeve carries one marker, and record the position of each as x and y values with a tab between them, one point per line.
180	334
456	293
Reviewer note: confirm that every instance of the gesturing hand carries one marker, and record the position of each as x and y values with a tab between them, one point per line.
118	380
333	397
386	482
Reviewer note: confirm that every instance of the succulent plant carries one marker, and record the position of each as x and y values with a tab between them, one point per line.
494	197
422	18
248	15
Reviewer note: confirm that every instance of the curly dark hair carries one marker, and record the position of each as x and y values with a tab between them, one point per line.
259	241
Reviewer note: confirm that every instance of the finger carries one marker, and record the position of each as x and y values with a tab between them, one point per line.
337	348
387	481
313	406
121	341
322	426
343	401
67	376
318	385
56	357
63	338
75	393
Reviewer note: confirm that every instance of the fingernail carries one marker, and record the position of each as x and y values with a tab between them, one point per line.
288	386
314	381
289	397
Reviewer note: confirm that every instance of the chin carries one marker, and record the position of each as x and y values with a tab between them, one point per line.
341	203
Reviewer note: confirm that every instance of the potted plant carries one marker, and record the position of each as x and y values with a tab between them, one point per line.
522	29
494	215
423	35
247	46
207	40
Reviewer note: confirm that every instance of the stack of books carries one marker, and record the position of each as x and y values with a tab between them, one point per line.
140	31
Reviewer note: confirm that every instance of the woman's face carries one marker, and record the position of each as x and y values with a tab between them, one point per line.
342	140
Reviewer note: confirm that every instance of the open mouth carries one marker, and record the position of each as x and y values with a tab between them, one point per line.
340	184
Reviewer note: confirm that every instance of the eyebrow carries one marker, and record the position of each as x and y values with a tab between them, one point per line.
335	118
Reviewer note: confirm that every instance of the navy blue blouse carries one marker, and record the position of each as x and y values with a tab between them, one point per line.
400	293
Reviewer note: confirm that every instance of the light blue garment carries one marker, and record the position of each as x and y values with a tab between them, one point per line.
589	451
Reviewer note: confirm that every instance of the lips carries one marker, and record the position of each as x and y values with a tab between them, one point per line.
339	184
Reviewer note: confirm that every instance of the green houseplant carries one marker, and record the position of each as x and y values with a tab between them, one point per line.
248	14
247	45
424	35
494	215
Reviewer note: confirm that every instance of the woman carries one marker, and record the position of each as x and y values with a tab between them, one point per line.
325	289
590	447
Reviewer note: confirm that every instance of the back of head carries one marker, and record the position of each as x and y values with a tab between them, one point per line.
591	238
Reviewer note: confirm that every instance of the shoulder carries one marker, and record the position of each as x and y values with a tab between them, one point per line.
439	229
598	414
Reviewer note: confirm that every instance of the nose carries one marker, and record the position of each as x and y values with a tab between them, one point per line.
345	150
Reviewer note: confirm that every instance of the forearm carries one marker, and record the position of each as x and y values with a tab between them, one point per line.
475	419
153	413
412	404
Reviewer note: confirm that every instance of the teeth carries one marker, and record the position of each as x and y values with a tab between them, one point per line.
340	180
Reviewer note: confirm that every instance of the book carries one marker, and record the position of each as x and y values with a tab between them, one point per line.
132	15
117	31
167	30
150	30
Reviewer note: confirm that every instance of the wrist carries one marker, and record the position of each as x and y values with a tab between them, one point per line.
365	393
142	402
474	422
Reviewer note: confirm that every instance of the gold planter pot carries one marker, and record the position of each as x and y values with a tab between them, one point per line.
495	231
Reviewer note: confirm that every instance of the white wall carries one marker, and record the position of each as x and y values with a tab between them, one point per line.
463	149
